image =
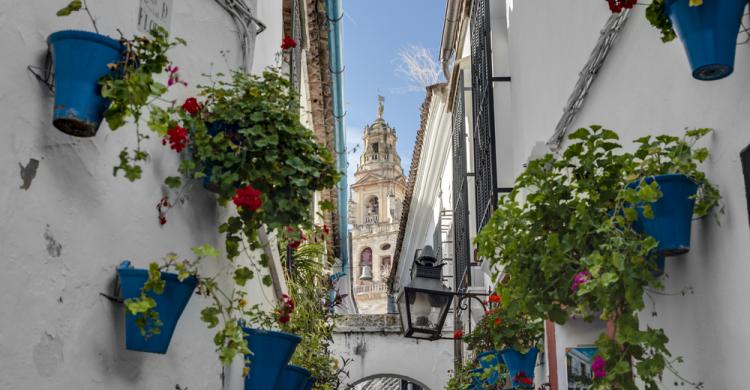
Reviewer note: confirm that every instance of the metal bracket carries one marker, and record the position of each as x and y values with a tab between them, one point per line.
115	297
44	74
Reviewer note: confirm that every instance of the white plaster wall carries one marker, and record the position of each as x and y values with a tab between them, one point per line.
645	87
390	353
425	202
56	332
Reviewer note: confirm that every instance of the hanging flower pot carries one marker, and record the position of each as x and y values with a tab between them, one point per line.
271	352
309	384
293	378
520	366
169	305
673	213
659	263
476	381
489	360
80	59
708	33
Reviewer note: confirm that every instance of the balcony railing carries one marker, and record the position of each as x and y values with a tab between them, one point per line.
371	288
483	107
461	242
371	219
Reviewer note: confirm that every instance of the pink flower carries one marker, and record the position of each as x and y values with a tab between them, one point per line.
174	77
599	367
579	279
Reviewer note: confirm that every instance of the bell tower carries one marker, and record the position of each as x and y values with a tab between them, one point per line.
374	210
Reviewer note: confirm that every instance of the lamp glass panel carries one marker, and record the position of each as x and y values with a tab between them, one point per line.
425	313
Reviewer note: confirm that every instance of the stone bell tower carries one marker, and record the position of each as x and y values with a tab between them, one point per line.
375	209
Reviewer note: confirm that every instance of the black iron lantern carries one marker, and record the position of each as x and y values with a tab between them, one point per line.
424	303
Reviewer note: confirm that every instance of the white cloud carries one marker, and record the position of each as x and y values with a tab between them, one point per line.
418	66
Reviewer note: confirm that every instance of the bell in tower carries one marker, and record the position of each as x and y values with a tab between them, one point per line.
366	273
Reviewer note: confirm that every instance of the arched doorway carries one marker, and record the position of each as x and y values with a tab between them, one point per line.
388	382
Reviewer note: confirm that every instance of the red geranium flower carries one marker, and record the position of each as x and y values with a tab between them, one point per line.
617	6
288	43
248	198
494	298
191	105
177	137
458	334
522	378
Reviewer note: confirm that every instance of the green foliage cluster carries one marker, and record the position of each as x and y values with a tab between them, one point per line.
313	317
571	216
462	376
131	88
503	326
261	143
656	14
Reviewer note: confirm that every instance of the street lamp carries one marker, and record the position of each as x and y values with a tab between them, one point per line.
423	304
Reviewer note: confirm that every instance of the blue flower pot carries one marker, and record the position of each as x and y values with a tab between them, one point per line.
673	213
708	33
658	263
80	59
169	305
271	352
517	362
489	360
215	128
476	381
309	384
293	378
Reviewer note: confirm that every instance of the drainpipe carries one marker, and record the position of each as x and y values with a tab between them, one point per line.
449	28
334	14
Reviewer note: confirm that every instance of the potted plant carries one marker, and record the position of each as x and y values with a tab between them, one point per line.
569	248
98	77
249	146
269	350
315	299
293	378
520	337
80	59
708	30
504	332
668	168
149	305
166	294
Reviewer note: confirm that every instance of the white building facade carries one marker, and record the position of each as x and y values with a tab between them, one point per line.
515	73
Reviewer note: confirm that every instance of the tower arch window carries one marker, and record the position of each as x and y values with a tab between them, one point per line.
372	211
365	266
365	258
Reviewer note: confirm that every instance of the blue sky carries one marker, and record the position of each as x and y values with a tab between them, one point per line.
374	32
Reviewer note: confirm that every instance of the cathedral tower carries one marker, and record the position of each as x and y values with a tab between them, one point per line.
374	209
